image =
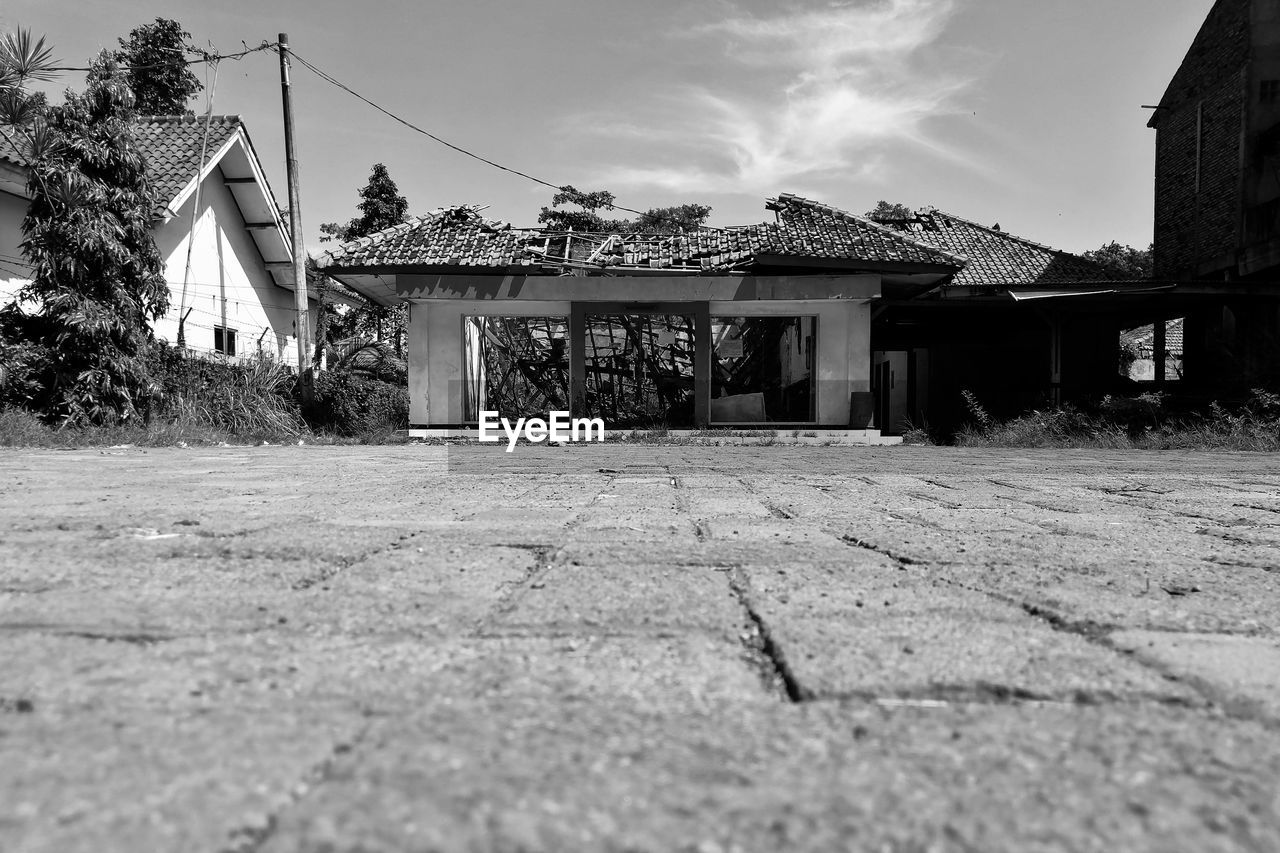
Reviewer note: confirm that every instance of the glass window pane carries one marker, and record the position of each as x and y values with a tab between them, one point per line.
517	366
762	369
639	370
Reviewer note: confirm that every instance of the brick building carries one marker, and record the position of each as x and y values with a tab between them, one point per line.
1217	194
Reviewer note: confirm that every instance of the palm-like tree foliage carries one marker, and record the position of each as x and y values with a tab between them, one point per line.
97	275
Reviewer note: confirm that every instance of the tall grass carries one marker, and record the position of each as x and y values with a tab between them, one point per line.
203	401
248	399
1141	422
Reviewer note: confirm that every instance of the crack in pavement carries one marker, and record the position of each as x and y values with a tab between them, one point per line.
1100	634
250	838
995	693
545	557
342	564
901	559
762	649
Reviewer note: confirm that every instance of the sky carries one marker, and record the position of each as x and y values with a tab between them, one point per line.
1025	113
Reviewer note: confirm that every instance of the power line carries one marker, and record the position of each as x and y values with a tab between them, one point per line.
201	56
334	81
13	269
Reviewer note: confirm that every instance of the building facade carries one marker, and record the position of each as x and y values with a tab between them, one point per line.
225	245
1217	195
751	326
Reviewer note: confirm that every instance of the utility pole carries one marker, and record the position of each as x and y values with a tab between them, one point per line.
295	226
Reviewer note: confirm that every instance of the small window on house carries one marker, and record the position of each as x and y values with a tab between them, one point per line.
224	340
1269	91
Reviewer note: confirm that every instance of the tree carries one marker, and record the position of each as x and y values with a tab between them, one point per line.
155	56
673	220
657	220
1123	261
888	210
97	274
23	59
381	206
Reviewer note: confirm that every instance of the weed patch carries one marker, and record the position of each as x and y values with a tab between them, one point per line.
1142	423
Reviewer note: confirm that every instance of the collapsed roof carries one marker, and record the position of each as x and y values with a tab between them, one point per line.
459	239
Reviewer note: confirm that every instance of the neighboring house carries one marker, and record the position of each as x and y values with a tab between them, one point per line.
238	298
1217	194
758	325
1020	325
1142	347
14	271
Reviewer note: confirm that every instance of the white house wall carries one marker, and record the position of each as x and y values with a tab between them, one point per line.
227	275
14	272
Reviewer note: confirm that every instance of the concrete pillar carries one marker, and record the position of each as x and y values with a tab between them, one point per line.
416	354
1158	348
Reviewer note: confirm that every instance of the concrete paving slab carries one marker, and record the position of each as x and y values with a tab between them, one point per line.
570	649
516	775
1244	670
605	598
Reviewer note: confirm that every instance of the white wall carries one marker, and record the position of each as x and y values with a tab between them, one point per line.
435	348
13	270
227	274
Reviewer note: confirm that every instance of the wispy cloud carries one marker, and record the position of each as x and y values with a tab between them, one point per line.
801	94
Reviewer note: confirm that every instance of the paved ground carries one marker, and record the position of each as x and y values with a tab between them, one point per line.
638	649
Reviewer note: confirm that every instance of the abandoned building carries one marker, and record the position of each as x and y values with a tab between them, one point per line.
1020	325
1217	198
821	319
748	326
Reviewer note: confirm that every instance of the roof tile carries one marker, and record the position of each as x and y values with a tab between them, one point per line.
435	239
172	146
994	257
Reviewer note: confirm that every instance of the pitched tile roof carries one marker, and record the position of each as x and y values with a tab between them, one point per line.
990	257
172	145
460	237
996	258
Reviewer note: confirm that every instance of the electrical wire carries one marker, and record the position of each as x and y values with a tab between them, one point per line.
335	82
4	265
202	56
211	291
211	91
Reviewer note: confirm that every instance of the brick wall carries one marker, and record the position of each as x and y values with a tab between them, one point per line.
1194	227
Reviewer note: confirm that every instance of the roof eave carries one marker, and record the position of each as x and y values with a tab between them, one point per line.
855	266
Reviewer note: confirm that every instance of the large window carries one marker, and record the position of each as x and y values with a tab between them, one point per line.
762	370
517	366
639	370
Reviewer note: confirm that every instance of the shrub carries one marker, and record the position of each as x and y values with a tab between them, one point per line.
21	363
913	433
252	398
350	404
23	428
1142	422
